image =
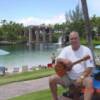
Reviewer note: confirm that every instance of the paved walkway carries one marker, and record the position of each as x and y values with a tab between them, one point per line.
20	88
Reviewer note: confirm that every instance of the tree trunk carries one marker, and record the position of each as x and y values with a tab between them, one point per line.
87	26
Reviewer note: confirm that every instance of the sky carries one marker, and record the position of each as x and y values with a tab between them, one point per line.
36	12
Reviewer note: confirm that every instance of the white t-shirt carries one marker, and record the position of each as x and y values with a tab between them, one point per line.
78	69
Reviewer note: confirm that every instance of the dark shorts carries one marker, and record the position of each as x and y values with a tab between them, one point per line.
53	61
67	81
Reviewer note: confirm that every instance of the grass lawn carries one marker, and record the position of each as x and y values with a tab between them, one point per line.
40	95
35	74
95	42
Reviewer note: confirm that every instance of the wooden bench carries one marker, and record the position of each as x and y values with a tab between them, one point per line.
64	98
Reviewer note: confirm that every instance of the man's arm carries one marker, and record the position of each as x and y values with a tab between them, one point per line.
86	73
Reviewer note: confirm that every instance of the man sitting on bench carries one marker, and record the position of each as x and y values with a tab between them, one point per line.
80	74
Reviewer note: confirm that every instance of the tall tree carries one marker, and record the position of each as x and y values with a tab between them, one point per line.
87	25
74	20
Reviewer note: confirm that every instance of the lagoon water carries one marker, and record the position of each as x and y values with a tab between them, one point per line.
22	55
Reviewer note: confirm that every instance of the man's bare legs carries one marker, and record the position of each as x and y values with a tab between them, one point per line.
53	82
88	88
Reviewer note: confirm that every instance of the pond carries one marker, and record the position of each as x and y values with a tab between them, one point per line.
22	55
97	46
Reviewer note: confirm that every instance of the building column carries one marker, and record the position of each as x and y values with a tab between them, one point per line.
30	35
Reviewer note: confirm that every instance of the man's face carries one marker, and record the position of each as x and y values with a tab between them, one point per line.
74	40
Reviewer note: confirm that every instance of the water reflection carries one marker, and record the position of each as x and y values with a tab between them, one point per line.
33	55
97	46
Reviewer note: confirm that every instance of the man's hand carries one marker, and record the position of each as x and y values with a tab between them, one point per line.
68	65
62	66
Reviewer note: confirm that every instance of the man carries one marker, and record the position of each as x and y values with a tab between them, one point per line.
53	59
80	73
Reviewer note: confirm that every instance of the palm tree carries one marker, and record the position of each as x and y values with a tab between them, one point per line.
87	25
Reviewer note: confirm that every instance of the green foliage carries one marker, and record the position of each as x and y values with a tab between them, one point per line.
10	31
55	37
75	15
74	21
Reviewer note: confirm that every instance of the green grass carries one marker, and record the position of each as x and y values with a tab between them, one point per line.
95	42
35	74
40	95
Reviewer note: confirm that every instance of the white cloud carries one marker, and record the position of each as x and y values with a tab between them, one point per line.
93	7
37	21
